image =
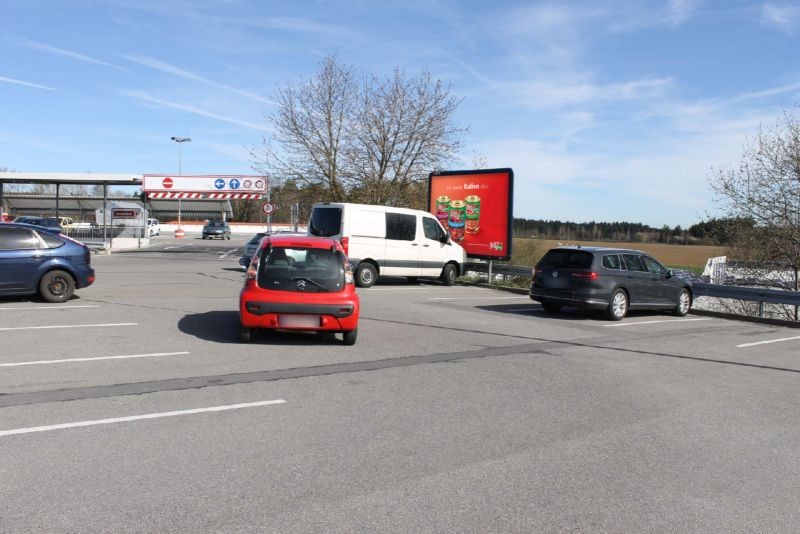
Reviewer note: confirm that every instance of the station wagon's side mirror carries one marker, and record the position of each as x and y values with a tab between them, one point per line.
670	273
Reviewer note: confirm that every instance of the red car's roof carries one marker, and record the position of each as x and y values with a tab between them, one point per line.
300	241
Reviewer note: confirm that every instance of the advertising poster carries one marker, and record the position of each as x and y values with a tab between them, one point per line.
476	207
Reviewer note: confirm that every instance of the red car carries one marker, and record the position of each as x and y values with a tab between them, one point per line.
299	283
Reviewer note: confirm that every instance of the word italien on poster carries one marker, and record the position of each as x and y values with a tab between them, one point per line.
476	208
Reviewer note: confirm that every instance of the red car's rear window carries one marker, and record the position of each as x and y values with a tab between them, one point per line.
303	269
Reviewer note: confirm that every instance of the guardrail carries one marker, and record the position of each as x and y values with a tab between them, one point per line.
699	289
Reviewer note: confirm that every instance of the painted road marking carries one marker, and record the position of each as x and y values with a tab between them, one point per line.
62	426
47	307
223	256
175	246
655	322
477	298
66	326
74	360
768	341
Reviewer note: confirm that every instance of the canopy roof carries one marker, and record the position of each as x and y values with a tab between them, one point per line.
88	178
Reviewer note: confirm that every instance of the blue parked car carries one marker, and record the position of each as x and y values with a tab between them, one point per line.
36	260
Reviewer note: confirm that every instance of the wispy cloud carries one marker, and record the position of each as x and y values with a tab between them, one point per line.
26	84
141	96
553	94
48	49
680	10
784	17
295	24
162	66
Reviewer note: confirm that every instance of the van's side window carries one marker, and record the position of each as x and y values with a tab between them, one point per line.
401	226
432	229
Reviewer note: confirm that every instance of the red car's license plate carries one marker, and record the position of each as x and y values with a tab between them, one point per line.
298	321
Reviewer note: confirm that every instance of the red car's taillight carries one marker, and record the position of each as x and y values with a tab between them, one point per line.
587	276
345	241
252	270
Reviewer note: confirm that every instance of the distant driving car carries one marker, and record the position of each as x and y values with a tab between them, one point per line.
216	228
610	279
34	259
252	245
299	283
153	227
51	223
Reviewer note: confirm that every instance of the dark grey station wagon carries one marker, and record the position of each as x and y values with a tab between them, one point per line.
610	279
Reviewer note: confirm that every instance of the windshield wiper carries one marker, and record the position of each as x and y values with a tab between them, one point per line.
312	281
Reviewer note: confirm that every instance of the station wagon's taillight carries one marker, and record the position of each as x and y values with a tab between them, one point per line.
537	271
587	276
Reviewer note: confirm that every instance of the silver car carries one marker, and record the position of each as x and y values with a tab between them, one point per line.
252	245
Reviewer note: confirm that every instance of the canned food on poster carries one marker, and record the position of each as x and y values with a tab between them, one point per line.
473	213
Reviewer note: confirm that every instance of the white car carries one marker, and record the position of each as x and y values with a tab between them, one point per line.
153	228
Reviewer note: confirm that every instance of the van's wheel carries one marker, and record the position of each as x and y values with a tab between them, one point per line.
350	337
245	334
618	307
366	275
56	286
448	276
684	303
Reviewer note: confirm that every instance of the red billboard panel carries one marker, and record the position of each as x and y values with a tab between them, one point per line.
476	207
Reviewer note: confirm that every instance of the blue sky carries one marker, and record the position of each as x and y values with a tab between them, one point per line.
606	111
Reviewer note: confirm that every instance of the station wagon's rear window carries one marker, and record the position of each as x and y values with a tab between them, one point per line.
612	261
567	259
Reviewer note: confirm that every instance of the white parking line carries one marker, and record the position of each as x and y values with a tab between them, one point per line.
32	429
425	288
74	360
767	342
47	307
655	322
66	326
223	256
479	298
175	246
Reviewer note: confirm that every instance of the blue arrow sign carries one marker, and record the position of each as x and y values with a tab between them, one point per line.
219	183
234	183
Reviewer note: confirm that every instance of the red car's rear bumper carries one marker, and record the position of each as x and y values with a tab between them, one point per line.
315	314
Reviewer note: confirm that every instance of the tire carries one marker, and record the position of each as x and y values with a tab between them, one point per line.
245	334
349	338
449	275
684	303
204	236
229	238
551	307
56	286
366	274
618	307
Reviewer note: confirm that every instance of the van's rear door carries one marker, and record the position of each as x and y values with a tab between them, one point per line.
326	221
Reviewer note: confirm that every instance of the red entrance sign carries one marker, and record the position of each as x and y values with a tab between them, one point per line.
167	183
124	214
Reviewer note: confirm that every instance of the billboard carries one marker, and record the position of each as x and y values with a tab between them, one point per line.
205	184
476	207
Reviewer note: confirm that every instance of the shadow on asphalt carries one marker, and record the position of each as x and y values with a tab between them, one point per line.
534	309
223	327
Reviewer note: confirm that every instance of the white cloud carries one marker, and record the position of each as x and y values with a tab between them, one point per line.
785	18
141	96
680	10
25	84
48	49
557	93
176	71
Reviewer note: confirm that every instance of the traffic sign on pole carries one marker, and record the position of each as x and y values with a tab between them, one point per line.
268	208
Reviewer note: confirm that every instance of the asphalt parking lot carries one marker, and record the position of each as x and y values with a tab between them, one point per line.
134	408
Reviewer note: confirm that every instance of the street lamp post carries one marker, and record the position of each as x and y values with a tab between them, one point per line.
180	141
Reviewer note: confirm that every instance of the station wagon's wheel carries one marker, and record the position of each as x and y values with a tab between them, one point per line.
350	337
448	276
618	306
551	307
245	334
684	303
366	274
56	286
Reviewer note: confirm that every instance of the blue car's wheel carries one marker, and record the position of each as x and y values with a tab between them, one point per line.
56	286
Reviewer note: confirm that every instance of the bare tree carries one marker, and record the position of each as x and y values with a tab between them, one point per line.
404	129
765	189
310	129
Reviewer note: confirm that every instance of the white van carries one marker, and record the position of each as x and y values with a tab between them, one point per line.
381	240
